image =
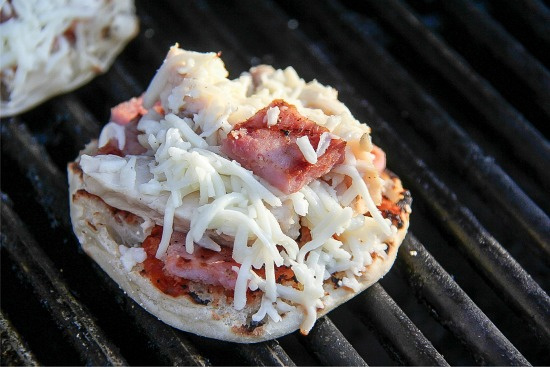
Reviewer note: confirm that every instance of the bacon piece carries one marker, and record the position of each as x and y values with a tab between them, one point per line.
125	112
203	265
271	152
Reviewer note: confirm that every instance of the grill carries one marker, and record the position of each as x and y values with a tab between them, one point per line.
457	93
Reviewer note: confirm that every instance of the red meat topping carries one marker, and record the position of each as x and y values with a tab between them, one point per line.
172	276
125	112
203	265
271	152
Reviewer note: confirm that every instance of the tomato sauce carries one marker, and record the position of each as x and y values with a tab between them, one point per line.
392	211
153	268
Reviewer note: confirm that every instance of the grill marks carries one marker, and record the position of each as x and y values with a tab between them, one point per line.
301	49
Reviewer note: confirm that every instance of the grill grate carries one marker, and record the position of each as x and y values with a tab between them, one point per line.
461	118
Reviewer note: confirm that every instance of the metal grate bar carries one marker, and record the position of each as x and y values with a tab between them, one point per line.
328	344
86	337
21	146
173	346
15	352
215	37
431	118
268	353
509	51
526	141
78	124
398	334
534	14
120	85
295	45
454	308
516	286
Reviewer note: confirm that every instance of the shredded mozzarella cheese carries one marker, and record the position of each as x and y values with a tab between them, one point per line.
232	201
324	143
307	149
51	47
272	115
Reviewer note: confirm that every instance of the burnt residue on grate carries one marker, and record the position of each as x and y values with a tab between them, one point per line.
457	93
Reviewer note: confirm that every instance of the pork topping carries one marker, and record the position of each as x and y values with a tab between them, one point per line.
270	150
205	266
128	111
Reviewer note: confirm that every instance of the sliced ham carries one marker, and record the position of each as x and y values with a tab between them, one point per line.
172	274
128	111
204	266
271	151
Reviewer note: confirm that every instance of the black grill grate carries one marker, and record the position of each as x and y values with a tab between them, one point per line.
457	93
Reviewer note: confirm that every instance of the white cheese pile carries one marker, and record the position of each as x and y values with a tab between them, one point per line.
201	106
53	46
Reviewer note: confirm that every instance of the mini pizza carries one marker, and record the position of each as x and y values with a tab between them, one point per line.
240	209
52	47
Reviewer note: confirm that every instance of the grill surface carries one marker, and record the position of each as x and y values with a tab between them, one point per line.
457	93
